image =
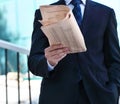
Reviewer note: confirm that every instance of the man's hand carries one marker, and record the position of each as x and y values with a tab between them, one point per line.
55	53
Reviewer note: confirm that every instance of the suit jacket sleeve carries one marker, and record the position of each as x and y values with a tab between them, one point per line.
112	50
37	63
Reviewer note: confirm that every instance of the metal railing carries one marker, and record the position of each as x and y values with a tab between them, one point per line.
6	46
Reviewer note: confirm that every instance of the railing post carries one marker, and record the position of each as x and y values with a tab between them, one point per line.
29	87
6	71
18	77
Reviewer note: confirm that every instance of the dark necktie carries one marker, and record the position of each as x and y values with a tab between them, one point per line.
77	10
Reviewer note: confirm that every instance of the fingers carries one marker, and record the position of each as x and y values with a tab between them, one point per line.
55	53
56	49
54	46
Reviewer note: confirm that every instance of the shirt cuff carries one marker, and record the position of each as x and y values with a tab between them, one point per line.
50	67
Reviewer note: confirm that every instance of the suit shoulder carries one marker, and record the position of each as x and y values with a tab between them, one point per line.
37	11
102	6
38	14
59	2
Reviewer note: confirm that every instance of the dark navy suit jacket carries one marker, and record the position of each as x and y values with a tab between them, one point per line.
99	66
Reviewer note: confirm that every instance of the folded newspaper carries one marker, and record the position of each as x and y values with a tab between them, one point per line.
60	26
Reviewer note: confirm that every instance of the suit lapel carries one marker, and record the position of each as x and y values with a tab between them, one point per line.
86	18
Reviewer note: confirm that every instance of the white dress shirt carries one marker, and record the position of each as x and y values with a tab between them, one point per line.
50	68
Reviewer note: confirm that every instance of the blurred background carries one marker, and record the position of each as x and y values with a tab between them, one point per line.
16	26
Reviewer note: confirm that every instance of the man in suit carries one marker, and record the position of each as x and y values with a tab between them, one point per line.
91	77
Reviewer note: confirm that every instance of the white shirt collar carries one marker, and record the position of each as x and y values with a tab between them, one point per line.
68	2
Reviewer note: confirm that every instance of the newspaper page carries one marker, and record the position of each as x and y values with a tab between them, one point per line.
60	26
